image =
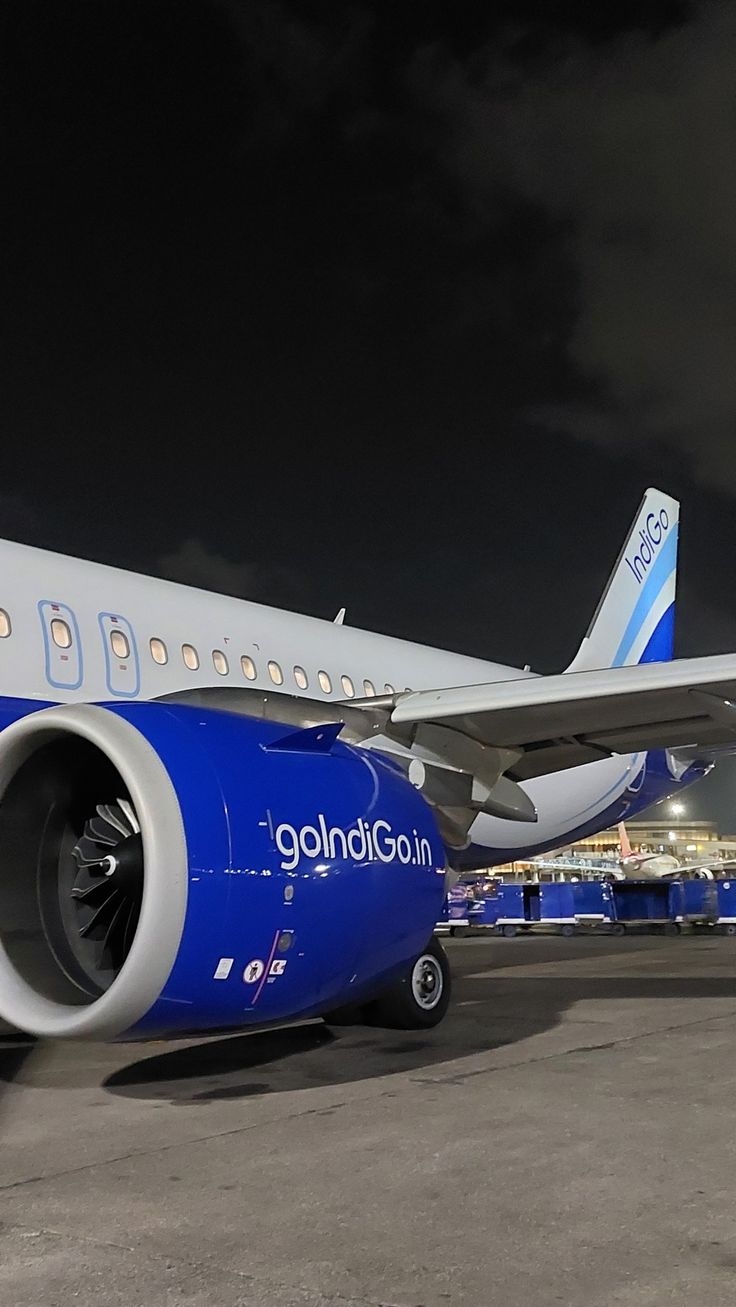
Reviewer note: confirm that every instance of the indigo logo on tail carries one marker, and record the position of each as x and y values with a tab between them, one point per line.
650	538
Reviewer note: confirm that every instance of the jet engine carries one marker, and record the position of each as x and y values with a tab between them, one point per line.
169	869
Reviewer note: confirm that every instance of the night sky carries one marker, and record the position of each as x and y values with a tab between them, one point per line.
395	305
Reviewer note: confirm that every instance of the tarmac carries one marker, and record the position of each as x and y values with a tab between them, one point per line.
565	1136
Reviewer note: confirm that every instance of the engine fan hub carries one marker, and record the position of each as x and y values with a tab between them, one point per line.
124	867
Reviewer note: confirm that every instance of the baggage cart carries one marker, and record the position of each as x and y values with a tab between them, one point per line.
644	905
518	908
573	905
726	895
694	902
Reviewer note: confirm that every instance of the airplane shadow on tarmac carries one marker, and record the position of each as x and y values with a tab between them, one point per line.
489	1011
492	1007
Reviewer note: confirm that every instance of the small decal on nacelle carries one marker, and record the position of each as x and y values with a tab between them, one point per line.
253	971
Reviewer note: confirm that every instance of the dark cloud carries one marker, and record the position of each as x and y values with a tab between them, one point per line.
294	68
629	145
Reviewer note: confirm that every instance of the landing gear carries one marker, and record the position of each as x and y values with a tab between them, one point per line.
419	999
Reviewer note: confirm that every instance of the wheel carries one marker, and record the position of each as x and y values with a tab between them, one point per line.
458	932
567	930
419	999
508	931
618	928
730	930
671	928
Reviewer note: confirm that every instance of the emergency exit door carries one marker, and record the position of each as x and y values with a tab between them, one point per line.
122	669
62	645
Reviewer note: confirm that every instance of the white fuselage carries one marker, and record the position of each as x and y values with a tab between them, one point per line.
47	599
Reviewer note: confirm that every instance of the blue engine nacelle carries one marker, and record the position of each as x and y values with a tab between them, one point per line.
168	869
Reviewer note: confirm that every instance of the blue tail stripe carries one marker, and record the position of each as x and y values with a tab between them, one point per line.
662	640
663	568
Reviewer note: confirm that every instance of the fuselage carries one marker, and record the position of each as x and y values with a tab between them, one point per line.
74	630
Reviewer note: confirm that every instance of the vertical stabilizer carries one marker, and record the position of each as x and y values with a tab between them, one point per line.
634	621
624	842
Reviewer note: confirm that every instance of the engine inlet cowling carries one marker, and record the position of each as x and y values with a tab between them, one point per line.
84	889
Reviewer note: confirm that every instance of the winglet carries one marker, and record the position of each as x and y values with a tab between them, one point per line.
634	621
339	618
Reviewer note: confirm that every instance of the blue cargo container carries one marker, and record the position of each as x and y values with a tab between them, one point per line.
491	905
643	903
726	894
694	902
518	908
568	904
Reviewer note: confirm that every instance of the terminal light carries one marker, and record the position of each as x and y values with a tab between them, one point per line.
677	808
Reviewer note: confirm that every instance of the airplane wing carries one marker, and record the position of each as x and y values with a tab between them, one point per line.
554	722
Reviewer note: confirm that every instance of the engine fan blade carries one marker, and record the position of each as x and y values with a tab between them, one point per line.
108	887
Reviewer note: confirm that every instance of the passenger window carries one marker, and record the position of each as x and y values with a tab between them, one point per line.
190	656
158	651
369	688
248	668
389	688
325	682
276	674
300	676
5	627
119	644
61	633
219	662
348	687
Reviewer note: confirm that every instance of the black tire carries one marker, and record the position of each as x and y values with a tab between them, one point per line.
508	931
352	1014
618	928
567	930
420	998
730	929
458	932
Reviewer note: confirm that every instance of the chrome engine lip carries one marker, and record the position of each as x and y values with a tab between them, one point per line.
165	889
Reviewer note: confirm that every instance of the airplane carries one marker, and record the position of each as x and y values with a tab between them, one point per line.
217	815
644	866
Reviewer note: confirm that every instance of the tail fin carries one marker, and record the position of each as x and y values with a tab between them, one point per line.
634	621
624	842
